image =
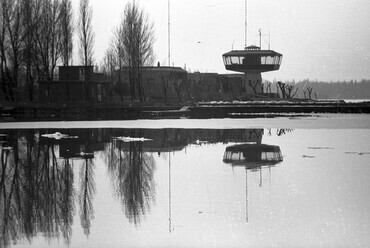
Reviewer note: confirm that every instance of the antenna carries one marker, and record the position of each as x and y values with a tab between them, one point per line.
169	35
245	23
260	31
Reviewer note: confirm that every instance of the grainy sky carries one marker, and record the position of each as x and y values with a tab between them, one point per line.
319	39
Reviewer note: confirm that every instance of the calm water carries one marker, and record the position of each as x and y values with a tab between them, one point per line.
185	187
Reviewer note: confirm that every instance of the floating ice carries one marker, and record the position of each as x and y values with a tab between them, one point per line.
131	139
199	142
58	136
318	148
358	153
308	156
7	148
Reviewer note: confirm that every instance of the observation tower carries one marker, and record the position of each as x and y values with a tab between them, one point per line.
252	61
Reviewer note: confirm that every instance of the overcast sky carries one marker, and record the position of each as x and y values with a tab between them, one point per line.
319	39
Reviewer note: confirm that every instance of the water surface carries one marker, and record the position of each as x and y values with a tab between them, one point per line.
172	187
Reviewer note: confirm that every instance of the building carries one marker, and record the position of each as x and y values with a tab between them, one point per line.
174	85
161	84
75	84
252	61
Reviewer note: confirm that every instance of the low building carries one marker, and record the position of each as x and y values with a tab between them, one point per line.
173	85
75	84
214	86
161	84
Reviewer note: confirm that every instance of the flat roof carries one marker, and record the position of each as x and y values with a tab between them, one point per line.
252	52
158	68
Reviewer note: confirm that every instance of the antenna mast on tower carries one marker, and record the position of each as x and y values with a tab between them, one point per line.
245	23
169	36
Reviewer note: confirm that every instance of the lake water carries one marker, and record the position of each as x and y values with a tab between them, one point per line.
285	182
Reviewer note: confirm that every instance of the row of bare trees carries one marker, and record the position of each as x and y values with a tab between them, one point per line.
131	48
35	37
290	90
287	90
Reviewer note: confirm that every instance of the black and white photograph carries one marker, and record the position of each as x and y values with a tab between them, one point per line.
173	123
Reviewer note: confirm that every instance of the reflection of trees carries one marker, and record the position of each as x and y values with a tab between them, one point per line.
132	174
86	194
36	190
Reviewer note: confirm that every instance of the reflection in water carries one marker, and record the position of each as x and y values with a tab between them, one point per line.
132	171
36	190
37	194
253	157
86	194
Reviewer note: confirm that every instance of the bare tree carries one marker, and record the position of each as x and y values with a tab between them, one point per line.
67	29
108	66
309	89
48	39
268	87
137	34
30	42
5	84
56	35
118	52
254	84
282	88
13	37
86	34
31	13
290	92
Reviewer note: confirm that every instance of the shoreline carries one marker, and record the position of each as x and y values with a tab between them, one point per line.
198	110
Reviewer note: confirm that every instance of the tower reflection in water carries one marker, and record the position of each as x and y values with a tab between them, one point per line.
253	156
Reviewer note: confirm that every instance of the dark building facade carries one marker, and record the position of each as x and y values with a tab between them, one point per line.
160	84
75	84
173	85
214	86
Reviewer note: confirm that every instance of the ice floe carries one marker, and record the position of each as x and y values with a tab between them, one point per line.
131	139
58	136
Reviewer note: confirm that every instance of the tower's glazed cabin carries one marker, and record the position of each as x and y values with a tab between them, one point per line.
252	60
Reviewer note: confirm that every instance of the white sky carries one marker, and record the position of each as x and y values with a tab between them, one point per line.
319	39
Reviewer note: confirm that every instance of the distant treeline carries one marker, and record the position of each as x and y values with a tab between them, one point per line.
328	90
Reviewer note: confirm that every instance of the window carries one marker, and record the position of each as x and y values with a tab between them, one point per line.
269	60
263	60
227	60
277	60
234	156
280	59
271	156
235	60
